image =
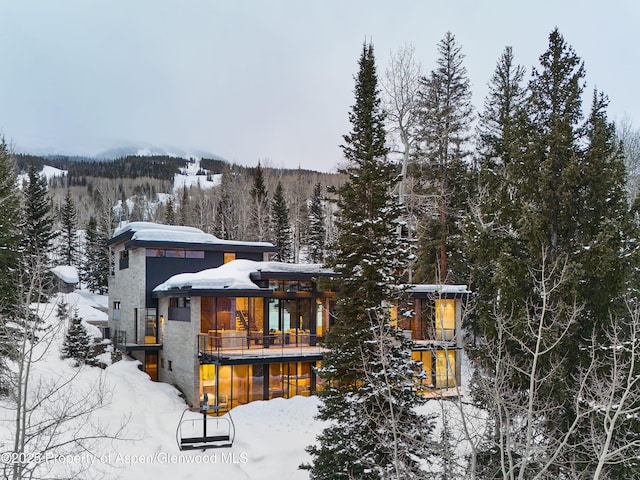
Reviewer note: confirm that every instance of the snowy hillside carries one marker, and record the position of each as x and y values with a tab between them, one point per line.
47	172
188	177
270	436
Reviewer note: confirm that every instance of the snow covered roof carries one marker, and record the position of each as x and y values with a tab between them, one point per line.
235	275
439	289
66	273
156	232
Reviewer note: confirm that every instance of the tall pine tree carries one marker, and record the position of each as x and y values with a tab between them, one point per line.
95	269
445	114
280	226
317	230
560	206
260	206
11	238
38	228
68	233
499	137
369	393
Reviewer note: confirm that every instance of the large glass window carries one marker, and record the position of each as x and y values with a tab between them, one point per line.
151	326
426	358
445	368
445	319
240	385
256	383
319	318
173	253
151	365
276	389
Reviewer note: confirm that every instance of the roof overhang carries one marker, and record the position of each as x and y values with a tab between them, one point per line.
220	292
435	291
267	275
209	247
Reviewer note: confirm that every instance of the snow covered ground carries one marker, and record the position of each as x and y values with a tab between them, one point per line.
270	436
188	178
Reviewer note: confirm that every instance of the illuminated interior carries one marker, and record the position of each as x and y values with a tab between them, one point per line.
241	384
444	373
445	368
445	319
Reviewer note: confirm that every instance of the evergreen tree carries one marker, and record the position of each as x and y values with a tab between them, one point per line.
185	207
317	230
170	214
62	310
68	234
96	259
559	202
280	226
226	222
369	392
260	206
38	228
77	343
499	137
11	238
445	114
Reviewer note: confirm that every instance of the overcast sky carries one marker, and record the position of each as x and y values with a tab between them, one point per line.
264	80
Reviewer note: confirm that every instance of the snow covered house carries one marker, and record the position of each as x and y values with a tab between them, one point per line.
64	278
435	329
258	327
212	316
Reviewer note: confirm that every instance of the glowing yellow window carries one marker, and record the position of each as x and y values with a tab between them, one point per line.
393	314
445	319
229	256
445	368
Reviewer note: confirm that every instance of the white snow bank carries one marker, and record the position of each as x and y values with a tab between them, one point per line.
50	172
439	289
87	307
67	273
156	232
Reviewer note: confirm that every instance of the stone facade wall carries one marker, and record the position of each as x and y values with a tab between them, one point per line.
180	351
127	286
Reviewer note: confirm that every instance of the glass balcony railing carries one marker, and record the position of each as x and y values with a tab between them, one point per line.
255	344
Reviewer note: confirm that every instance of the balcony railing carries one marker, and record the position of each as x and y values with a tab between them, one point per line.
438	335
256	345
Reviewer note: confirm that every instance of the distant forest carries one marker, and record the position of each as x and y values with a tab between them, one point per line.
143	188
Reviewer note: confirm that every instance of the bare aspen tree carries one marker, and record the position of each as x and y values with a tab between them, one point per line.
630	138
611	393
520	418
400	85
50	415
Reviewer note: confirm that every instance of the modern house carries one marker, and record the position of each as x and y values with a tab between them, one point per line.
144	255
258	327
436	332
213	316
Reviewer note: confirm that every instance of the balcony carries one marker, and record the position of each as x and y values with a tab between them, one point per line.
215	347
437	336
